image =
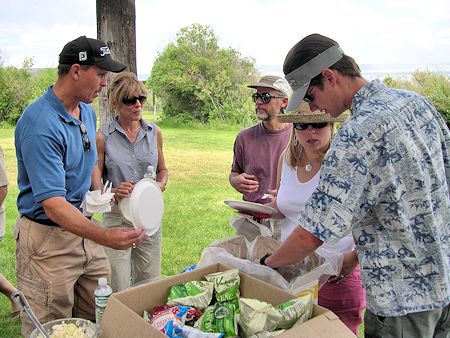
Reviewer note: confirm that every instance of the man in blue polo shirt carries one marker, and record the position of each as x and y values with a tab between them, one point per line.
59	252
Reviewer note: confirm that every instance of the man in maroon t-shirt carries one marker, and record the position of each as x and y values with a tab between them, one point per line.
257	149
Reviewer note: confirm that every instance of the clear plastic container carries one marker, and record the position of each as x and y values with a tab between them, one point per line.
89	329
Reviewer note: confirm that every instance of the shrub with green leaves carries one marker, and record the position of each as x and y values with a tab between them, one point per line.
20	86
15	88
194	76
434	86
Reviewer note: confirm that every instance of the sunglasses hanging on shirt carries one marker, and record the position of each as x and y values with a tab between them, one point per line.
84	137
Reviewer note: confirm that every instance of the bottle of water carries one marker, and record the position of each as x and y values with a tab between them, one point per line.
101	295
150	173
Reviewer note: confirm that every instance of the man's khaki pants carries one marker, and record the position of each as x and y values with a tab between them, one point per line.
57	271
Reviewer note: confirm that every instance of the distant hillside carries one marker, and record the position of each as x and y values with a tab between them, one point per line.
371	71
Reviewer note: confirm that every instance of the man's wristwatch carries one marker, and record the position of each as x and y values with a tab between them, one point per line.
262	260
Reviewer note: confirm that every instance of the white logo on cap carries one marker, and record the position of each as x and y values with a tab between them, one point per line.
104	51
82	56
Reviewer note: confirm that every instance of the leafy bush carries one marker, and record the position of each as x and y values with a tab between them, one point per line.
15	88
41	80
196	77
19	87
434	86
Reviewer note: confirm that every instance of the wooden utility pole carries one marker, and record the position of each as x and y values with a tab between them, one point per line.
116	25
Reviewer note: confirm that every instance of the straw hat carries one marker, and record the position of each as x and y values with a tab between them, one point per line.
302	114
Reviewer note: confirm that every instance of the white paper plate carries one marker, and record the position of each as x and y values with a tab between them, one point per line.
250	207
145	207
125	208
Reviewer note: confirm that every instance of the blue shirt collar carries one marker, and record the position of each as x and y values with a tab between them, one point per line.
59	107
364	93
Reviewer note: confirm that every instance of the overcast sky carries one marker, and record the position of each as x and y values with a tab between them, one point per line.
404	33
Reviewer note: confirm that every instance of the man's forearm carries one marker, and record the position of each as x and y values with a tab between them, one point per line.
295	248
70	218
232	179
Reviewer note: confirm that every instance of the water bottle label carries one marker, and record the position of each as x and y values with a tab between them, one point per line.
98	315
100	304
101	301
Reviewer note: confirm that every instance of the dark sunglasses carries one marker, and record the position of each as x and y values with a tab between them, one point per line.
131	101
84	137
265	97
304	126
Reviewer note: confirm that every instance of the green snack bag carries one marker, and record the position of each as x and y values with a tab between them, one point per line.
226	284
257	316
295	311
219	318
197	294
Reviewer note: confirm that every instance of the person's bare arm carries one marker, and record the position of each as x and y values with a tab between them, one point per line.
274	193
349	263
162	173
244	183
96	179
98	169
70	218
295	248
3	193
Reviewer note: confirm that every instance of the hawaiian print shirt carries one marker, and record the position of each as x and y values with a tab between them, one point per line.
386	179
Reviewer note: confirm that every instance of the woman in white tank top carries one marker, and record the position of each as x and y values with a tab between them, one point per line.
298	176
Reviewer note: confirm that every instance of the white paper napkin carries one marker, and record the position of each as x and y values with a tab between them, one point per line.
96	202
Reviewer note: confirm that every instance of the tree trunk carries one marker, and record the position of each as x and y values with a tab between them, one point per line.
116	25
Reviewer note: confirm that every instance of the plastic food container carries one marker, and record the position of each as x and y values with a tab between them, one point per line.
89	329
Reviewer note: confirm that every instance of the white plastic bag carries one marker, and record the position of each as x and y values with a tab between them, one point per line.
231	252
249	228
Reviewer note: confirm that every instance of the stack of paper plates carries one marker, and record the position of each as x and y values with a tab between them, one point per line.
145	207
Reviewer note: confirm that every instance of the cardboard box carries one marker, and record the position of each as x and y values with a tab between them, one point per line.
308	283
123	314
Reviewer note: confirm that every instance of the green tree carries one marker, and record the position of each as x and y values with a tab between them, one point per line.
41	80
196	79
434	86
15	88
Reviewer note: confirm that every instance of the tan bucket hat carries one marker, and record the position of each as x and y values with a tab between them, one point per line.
302	114
274	82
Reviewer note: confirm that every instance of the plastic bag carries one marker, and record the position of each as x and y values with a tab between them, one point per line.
223	252
249	228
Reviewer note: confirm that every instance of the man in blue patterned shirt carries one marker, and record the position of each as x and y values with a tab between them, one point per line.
386	179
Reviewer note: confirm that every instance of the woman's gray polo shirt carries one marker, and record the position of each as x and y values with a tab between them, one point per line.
124	160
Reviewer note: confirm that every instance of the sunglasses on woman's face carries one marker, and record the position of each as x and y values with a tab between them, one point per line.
131	101
304	126
265	97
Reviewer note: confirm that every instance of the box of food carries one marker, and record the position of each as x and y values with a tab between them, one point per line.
123	316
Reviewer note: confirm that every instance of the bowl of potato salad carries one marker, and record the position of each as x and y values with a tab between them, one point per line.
68	327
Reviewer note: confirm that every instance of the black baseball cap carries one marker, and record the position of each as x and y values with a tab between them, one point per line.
86	51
